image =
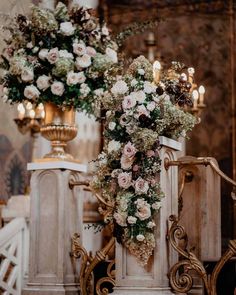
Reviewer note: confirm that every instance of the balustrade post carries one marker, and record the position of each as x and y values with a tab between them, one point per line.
55	216
131	278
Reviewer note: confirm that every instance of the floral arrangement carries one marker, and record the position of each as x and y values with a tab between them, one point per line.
139	111
58	57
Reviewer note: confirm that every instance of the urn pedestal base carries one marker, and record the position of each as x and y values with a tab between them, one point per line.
56	213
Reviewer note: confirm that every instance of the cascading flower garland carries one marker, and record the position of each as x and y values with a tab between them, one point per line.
57	56
139	111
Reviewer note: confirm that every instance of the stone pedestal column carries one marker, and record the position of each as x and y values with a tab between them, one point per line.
131	278
55	216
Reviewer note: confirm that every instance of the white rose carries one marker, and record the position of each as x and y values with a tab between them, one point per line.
141	72
43	82
72	78
79	48
81	77
91	51
112	125
57	88
124	180
27	74
131	219
53	55
156	205
43	53
151	106
119	88
67	28
83	61
151	224
128	102
31	92
112	54
140	238
65	54
140	96
134	82
149	87
141	186
113	146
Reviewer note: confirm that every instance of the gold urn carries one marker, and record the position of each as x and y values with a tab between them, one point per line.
59	128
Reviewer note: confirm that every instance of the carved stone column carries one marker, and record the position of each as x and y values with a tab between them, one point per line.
56	214
131	278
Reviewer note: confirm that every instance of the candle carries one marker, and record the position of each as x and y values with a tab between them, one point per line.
191	72
21	111
156	71
39	111
201	91
195	98
32	114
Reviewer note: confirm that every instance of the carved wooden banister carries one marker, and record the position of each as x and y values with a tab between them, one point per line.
12	255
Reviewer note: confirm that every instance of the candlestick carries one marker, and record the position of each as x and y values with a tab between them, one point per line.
156	71
201	91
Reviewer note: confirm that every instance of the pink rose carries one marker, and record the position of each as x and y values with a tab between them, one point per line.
150	153
141	186
91	51
128	102
143	209
120	219
129	150
53	55
141	110
79	48
124	180
136	168
57	88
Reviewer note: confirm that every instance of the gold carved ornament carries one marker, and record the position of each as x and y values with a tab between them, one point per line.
180	274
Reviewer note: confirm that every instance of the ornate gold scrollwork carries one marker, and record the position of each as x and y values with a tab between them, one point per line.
109	279
180	274
88	263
